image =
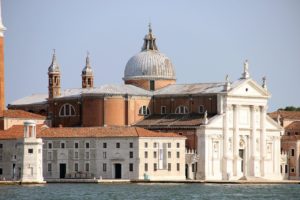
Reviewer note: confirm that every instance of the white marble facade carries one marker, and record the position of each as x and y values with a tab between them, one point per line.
241	141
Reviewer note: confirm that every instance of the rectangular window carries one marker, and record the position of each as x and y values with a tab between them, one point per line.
87	155
118	145
169	166
201	109
281	169
76	155
155	167
146	144
49	167
292	152
104	145
87	167
169	145
178	167
104	155
1	146
152	85
193	168
146	167
178	154
146	154
1	157
292	170
286	169
1	171
76	167
154	145
163	110
154	154
130	145
131	167
62	145
178	145
50	155
104	167
87	145
49	145
131	154
169	154
76	145
30	150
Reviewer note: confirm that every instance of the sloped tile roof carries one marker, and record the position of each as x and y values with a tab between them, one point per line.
171	120
43	131
195	88
21	114
294	126
286	114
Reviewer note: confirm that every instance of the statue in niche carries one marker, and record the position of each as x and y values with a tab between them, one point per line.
216	147
242	143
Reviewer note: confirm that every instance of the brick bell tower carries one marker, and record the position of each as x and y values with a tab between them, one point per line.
2	86
87	74
54	78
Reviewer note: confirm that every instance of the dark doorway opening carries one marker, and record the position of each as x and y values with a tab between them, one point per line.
62	170
186	171
118	171
241	155
14	171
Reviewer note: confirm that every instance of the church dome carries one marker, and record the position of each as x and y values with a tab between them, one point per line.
149	63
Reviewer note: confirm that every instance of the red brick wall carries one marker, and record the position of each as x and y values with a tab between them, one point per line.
193	103
145	84
92	111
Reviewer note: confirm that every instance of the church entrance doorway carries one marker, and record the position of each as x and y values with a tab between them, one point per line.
241	155
62	170
118	171
186	171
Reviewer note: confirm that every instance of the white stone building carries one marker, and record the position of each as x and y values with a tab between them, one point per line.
87	153
241	141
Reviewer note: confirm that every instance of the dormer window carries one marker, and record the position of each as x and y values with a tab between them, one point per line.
144	110
67	110
181	110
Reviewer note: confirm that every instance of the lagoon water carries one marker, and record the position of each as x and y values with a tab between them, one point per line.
149	191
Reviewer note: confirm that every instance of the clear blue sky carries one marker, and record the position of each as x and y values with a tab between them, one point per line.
204	39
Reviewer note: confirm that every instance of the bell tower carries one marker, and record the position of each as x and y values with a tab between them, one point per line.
54	78
2	86
87	74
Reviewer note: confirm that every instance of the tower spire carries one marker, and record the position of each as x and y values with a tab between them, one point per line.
2	27
54	78
87	73
54	67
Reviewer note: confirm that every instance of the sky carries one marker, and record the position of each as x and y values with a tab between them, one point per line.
205	40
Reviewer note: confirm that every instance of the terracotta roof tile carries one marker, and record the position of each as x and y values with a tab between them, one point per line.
43	131
21	114
171	120
286	114
293	126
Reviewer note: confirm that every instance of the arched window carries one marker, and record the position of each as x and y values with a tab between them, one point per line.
181	110
144	110
67	110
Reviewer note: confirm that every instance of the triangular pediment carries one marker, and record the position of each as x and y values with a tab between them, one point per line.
249	88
